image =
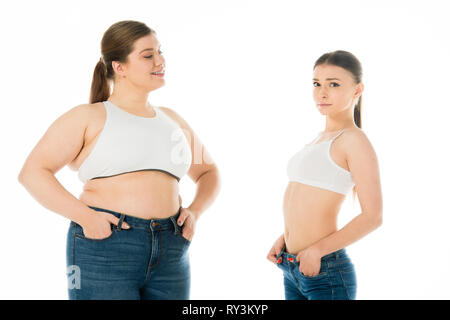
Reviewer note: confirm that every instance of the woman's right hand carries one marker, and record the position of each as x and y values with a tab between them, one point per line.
98	225
276	249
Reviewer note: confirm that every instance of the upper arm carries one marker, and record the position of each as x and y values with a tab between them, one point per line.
363	165
61	143
201	160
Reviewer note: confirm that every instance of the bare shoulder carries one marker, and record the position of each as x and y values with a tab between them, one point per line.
89	109
354	134
356	140
82	118
83	111
175	117
87	114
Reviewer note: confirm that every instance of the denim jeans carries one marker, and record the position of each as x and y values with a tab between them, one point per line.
336	279
149	261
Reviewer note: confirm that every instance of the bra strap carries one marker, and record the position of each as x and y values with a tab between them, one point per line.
340	132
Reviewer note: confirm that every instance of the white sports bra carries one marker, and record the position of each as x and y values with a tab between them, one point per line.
313	166
131	143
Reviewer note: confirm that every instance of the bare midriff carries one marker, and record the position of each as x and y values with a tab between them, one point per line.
310	214
142	194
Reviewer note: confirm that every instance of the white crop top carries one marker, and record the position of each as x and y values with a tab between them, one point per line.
314	166
130	143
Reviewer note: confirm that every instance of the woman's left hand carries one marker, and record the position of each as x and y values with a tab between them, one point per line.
310	261
187	218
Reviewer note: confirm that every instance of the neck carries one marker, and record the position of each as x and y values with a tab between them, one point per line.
130	98
339	121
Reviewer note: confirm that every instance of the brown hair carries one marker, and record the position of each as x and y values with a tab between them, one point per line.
117	43
349	62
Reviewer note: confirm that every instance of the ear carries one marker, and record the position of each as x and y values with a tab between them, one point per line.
359	90
118	68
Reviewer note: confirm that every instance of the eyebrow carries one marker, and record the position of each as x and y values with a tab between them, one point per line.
327	79
148	49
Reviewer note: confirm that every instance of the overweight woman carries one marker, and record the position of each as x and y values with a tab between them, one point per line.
129	235
311	252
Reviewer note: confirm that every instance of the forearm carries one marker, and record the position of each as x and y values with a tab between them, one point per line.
47	190
208	187
357	228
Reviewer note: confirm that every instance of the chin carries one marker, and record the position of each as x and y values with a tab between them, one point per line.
156	87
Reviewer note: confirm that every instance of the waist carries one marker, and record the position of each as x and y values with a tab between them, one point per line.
336	255
167	223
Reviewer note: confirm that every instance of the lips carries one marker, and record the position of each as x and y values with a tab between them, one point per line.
324	104
158	73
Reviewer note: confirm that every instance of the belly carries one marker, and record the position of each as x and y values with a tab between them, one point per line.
142	194
310	214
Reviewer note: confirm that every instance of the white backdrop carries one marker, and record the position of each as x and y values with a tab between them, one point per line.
239	72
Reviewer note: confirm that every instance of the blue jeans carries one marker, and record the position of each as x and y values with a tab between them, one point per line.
336	279
149	261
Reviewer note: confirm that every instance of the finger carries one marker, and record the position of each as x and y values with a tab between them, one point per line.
272	258
115	221
187	234
111	218
181	218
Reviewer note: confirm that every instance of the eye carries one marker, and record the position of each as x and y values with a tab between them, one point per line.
334	84
316	84
151	56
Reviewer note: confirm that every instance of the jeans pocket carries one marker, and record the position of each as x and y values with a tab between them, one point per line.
180	234
80	234
323	273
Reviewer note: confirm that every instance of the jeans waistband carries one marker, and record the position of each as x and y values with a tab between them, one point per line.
169	223
331	256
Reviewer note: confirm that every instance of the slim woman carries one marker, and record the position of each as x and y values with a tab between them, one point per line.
311	252
129	235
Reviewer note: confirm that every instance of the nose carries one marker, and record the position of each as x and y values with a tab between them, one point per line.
159	60
323	92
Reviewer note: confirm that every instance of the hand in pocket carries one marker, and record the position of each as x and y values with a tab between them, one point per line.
98	225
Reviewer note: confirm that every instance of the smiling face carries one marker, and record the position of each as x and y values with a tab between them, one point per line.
335	90
145	65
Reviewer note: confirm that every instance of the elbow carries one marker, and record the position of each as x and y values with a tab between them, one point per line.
218	179
378	220
21	177
373	220
214	179
29	174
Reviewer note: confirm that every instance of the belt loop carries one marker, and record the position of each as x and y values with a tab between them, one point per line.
119	225
175	225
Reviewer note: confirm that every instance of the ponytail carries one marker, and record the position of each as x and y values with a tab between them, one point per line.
100	85
357	113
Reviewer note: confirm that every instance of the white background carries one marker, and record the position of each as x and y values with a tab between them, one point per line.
239	72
